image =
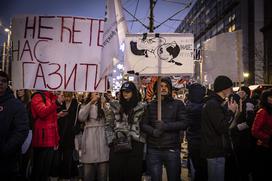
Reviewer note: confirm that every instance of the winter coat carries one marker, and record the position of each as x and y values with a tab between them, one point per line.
241	133
193	132
45	121
216	119
174	119
262	128
94	146
130	124
13	131
66	125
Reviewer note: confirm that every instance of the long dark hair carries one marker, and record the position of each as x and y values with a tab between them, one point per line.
127	106
264	103
26	97
100	112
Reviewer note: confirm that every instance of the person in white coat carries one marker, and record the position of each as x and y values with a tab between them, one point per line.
95	151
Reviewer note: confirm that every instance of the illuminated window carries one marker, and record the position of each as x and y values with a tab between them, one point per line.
233	17
231	28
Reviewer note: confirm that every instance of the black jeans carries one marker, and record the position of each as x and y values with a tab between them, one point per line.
127	166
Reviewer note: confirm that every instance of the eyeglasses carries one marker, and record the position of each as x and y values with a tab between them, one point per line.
3	81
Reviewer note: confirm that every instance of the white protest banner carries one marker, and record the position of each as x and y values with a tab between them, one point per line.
57	53
114	35
222	55
173	52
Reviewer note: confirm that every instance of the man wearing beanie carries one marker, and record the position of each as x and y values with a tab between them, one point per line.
163	138
216	119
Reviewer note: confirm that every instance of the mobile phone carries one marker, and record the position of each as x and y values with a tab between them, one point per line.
65	110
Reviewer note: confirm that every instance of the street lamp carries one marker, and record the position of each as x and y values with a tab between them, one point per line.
246	76
6	50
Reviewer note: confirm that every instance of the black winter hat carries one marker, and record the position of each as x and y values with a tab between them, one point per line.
222	82
245	89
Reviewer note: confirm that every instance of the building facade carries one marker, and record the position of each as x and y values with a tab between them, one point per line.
267	33
208	18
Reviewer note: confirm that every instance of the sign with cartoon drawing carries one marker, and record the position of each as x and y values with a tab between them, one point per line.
159	54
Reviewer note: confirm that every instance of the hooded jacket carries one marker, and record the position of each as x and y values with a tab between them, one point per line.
13	130
194	107
174	119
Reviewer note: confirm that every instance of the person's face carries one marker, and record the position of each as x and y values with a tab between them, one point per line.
127	94
269	99
108	94
164	89
3	85
95	95
67	98
20	93
242	94
61	97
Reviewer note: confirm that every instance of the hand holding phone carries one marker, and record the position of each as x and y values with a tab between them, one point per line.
232	105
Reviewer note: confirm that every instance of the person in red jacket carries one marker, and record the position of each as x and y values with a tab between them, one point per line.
45	133
262	131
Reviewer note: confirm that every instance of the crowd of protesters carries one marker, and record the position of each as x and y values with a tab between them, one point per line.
67	136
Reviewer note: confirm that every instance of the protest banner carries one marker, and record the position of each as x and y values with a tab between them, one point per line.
115	29
160	54
57	53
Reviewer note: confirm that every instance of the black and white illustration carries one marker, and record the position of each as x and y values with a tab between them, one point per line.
173	52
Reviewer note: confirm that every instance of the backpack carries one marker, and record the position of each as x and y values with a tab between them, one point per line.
30	116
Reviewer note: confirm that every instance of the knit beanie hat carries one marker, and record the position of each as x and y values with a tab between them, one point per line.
222	82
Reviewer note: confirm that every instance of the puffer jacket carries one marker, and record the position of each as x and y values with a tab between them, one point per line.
13	131
130	127
174	119
45	121
194	124
262	128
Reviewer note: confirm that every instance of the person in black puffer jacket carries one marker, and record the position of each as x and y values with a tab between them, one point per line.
163	140
13	130
194	107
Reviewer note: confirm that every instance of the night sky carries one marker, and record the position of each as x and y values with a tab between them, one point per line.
95	9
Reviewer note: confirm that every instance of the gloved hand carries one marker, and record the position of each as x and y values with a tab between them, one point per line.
157	133
160	125
159	128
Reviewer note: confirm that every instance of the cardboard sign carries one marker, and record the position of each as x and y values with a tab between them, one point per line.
166	54
57	53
